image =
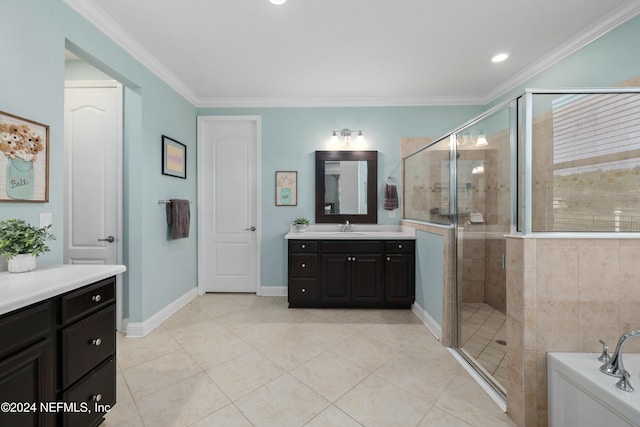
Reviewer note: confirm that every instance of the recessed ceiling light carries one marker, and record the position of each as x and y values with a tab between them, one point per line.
500	57
277	2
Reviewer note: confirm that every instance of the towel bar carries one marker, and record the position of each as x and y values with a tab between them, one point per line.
165	202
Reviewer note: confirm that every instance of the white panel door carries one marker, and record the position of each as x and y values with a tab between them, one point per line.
93	149
228	150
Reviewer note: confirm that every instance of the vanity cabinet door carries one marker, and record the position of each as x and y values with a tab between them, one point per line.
352	279
366	279
336	279
26	378
399	280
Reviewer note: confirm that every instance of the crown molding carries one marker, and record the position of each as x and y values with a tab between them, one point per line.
104	23
234	102
600	28
88	10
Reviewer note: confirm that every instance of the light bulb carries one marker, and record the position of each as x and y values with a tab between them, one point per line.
482	141
277	2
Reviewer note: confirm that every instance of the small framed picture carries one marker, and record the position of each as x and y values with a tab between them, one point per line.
174	158
286	188
24	160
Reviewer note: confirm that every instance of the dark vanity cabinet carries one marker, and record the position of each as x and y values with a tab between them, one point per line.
57	359
353	273
400	271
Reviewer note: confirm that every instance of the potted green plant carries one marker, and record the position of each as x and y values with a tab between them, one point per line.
22	243
301	224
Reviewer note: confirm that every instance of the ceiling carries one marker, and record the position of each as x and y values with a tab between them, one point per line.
350	52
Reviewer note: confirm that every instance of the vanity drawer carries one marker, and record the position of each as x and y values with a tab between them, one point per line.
302	265
88	300
302	289
97	390
23	327
400	246
352	247
306	246
87	343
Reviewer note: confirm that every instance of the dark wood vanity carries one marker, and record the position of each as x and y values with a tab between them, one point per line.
57	359
351	273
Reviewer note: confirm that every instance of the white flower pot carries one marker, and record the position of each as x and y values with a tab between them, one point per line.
301	228
21	263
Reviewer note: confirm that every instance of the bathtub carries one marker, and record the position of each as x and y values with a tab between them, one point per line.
579	395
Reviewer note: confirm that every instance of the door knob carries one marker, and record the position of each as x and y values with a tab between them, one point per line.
252	228
109	239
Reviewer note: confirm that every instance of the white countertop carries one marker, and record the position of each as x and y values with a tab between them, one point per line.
359	232
19	290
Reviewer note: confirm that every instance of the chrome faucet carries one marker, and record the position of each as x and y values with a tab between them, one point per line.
345	227
614	366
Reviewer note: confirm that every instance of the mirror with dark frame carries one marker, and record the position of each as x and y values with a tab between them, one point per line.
346	187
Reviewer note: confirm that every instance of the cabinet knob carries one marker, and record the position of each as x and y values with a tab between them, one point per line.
348	258
304	290
400	246
97	397
96	298
303	246
303	265
353	259
96	342
388	258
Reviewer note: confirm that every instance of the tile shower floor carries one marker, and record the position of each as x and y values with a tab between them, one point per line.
484	337
241	360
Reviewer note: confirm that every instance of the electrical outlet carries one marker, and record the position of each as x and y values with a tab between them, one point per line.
46	219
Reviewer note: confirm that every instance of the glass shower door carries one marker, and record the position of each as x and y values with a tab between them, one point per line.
483	207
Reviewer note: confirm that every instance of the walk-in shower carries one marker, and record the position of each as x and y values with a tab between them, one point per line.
546	163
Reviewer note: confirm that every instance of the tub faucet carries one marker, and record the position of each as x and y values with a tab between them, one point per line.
614	366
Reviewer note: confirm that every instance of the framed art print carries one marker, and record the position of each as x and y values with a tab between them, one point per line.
286	188
24	160
174	158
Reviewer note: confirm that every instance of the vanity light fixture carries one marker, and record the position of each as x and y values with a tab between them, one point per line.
345	134
482	140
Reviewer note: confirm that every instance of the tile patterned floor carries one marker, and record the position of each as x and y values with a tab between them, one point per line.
241	360
482	328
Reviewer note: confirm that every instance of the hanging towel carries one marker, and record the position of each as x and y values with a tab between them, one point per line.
178	218
390	197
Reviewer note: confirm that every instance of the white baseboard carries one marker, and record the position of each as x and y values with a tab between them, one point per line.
273	291
428	321
139	330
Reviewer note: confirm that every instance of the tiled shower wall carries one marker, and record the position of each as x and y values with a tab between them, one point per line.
564	295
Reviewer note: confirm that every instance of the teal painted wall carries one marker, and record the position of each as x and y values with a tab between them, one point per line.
430	273
290	138
32	86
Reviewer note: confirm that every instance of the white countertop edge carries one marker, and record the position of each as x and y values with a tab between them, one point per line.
371	235
359	232
19	290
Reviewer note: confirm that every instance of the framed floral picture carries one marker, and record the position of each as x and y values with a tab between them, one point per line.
174	158
24	160
286	188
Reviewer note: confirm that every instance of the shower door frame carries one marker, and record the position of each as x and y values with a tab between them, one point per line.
512	107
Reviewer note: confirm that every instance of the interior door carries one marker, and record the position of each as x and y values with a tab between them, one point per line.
228	149
93	141
93	175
